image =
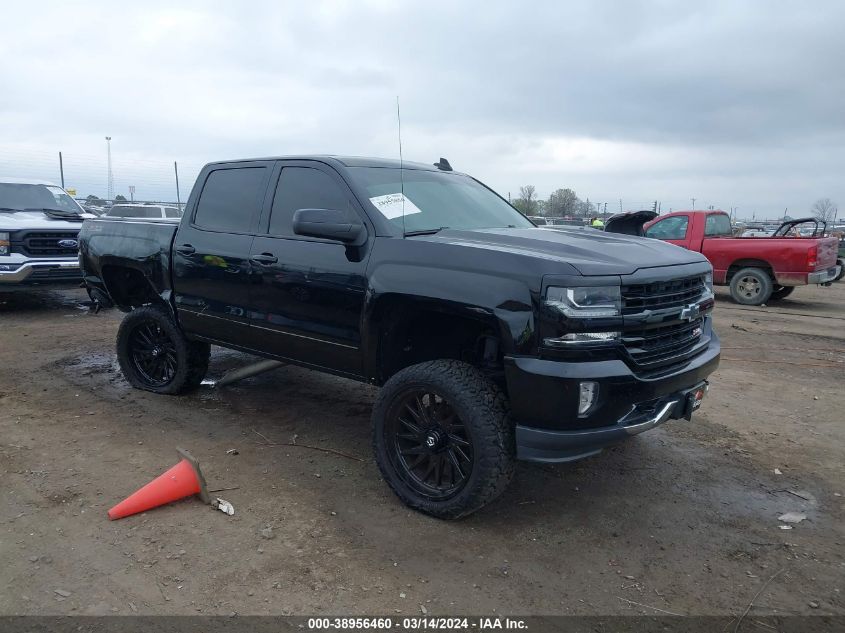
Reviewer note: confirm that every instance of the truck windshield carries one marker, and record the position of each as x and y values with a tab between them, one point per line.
18	197
435	200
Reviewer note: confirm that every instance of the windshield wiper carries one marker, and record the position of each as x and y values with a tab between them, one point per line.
10	209
58	213
425	231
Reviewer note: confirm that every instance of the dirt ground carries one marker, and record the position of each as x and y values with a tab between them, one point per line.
683	519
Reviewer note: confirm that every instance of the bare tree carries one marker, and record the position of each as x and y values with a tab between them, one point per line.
528	193
824	209
527	203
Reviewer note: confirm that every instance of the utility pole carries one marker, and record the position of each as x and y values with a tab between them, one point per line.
62	170
693	203
176	171
620	205
110	187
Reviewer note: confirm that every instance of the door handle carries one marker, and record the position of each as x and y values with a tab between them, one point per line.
265	259
186	249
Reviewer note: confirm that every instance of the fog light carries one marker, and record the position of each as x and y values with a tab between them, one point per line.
587	393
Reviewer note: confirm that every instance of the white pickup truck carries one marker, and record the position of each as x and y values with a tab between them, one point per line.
39	225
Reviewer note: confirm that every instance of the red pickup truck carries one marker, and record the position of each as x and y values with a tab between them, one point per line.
757	269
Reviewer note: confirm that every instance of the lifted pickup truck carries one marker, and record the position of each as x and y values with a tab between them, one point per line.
492	340
757	269
39	224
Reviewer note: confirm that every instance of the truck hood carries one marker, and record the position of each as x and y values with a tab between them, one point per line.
589	251
19	220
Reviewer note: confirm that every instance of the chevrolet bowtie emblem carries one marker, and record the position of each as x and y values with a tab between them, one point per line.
690	312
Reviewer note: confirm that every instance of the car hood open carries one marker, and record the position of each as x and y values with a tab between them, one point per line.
629	222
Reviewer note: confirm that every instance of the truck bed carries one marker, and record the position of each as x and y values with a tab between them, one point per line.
790	257
109	245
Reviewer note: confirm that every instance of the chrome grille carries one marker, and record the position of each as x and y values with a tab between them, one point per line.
660	295
658	345
662	345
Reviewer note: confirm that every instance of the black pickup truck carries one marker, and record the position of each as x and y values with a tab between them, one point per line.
492	340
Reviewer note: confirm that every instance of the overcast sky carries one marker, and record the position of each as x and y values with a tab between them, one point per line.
738	104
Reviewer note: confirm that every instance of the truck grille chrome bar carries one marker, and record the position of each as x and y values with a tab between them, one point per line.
659	345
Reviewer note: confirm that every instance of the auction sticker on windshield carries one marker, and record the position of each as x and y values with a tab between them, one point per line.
391	205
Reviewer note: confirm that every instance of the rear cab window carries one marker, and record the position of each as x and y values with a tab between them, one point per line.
718	225
231	199
134	211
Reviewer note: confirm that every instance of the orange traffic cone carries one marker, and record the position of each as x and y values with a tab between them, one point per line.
183	480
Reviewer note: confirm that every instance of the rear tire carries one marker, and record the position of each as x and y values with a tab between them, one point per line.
154	354
443	439
781	292
751	286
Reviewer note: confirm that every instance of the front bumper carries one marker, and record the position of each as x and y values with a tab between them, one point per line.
824	276
544	396
49	271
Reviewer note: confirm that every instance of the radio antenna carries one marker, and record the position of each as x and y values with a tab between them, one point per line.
401	171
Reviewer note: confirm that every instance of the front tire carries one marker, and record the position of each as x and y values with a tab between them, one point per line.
443	439
751	286
154	354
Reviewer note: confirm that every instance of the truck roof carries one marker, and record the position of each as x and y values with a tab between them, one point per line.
346	161
26	181
695	211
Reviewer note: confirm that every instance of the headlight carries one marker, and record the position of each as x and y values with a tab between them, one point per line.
584	303
708	281
593	301
4	244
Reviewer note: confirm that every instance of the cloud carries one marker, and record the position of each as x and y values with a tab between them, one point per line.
738	103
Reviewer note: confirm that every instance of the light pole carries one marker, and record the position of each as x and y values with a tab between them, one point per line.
110	187
693	203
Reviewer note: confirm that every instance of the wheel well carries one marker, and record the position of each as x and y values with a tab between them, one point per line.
411	335
739	264
128	288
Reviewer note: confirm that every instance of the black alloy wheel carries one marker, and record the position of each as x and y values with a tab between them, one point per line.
432	449
443	438
153	353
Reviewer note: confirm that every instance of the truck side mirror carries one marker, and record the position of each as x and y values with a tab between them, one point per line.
331	224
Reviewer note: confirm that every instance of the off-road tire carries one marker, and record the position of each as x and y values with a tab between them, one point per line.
781	292
191	357
751	277
480	406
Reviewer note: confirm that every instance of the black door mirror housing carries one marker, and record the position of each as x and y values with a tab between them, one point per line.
330	224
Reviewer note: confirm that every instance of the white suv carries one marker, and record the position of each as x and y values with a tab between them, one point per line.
39	224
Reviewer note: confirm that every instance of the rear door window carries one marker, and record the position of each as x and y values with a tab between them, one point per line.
231	199
303	188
